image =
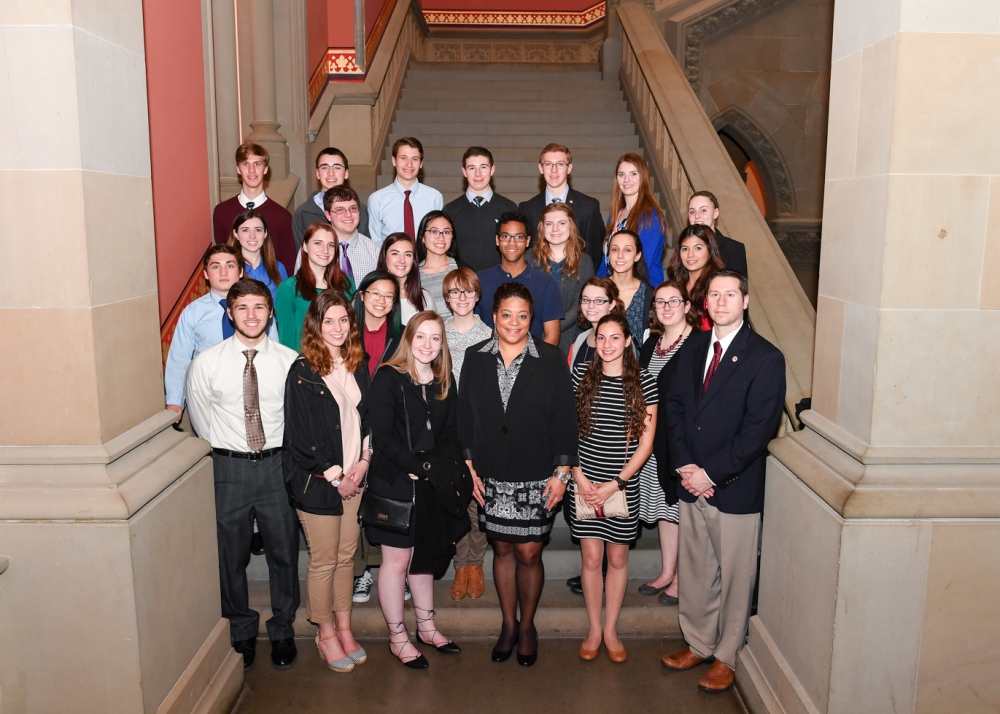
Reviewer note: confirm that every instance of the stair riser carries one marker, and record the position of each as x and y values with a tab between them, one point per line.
454	185
509	86
580	132
514	169
474	75
513	98
554	116
536	141
463	103
505	154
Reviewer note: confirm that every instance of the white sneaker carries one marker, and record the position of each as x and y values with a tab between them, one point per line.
406	592
363	587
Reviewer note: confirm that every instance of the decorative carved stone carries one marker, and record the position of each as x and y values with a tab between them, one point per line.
447	53
476	53
506	53
800	247
567	54
536	53
736	120
563	51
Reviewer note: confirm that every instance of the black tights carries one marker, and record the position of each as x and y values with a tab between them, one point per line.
518	574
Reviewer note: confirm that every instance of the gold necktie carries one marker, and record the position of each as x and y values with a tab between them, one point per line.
251	405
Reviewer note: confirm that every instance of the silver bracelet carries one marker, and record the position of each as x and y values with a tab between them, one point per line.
563	476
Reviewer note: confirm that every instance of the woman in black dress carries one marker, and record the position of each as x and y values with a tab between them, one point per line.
413	409
517	423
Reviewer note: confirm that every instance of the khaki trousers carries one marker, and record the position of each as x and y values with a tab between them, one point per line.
471	549
332	541
717	567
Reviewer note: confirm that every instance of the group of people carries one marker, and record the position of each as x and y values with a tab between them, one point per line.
434	379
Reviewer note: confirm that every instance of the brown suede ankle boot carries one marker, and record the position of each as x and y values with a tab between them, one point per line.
460	588
477	581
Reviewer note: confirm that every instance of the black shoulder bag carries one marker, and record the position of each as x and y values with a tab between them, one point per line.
389	514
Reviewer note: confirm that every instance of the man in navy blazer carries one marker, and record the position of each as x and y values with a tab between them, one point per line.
722	410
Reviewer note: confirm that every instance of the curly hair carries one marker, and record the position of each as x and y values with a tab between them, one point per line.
589	391
612	293
677	271
513	290
315	349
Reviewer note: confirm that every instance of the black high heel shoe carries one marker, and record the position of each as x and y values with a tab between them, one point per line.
447	648
529	659
418	662
499	655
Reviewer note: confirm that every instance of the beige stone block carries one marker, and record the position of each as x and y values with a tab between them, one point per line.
842	136
934	239
947	98
851	253
33	12
967	16
116	21
857	24
937	385
880	603
857	370
350	125
960	645
39	76
129	363
798	19
876	106
113	114
989	296
743	52
49	381
829	356
34	245
768	111
789	87
121	249
734	90
804	54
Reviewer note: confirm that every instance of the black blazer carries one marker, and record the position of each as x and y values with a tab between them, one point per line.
661	446
588	220
393	459
539	429
726	432
734	253
312	441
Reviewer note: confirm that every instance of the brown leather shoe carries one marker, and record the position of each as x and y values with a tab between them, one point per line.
718	679
477	581
680	661
460	588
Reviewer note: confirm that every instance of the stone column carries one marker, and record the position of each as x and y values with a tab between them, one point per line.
265	107
227	101
109	595
882	518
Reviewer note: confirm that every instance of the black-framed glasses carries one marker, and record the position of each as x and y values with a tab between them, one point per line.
594	301
343	211
435	232
454	293
331	167
558	164
507	237
672	302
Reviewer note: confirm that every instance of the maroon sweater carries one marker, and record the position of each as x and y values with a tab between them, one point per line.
279	224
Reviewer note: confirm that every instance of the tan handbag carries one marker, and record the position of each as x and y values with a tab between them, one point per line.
615	507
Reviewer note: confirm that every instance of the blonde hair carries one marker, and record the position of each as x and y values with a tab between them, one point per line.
405	363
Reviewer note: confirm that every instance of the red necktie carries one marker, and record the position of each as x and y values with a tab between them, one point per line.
712	367
408	216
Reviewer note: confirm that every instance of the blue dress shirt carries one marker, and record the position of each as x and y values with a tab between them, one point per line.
548	304
385	208
260	273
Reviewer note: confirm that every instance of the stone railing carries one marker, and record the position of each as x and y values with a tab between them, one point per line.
688	156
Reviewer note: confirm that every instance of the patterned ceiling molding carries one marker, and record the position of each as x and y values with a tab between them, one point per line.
720	19
735	120
491	18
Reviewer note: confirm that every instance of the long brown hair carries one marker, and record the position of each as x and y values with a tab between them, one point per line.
404	362
542	253
305	280
646	206
414	290
676	270
266	248
610	289
315	349
589	390
655	326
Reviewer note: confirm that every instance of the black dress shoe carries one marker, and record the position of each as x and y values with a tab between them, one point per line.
417	663
499	655
257	544
247	648
576	588
526	660
574	582
283	653
446	648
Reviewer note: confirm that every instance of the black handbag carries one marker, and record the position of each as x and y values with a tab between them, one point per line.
390	514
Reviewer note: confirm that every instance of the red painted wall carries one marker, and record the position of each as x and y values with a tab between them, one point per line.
329	23
178	143
511	5
372	10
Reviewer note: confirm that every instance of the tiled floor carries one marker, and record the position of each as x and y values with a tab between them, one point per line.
470	682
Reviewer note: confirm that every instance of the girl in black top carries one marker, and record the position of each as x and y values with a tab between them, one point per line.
517	423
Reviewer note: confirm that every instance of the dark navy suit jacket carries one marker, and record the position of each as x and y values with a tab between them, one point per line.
727	431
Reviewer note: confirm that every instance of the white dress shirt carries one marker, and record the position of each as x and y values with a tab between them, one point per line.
215	392
385	208
485	195
257	202
549	197
726	341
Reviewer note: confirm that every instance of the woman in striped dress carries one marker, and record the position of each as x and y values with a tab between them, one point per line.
616	408
670	324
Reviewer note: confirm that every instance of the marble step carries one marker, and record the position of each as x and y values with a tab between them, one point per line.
509	185
550	115
533	141
543	75
516	97
581	154
581	132
504	86
603	169
567	107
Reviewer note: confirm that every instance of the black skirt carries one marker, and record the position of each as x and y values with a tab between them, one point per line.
515	511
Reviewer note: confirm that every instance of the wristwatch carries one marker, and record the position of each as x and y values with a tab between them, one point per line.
563	476
337	481
621	484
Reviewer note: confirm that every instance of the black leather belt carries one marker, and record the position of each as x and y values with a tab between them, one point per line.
248	455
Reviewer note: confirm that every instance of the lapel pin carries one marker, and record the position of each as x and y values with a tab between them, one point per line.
734	358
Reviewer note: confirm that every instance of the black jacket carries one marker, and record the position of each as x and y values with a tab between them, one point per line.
734	253
537	432
588	219
312	441
727	431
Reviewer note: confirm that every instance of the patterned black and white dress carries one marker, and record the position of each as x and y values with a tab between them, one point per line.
602	455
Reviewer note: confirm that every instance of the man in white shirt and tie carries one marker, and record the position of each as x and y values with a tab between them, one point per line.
400	206
236	394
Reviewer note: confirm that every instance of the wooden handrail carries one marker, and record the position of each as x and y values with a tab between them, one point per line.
194	289
690	156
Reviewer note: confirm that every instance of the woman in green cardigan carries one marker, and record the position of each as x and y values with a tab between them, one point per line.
320	269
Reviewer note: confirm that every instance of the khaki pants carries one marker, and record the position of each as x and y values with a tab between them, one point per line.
367	556
717	567
471	549
332	541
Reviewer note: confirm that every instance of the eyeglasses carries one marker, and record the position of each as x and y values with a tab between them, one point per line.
344	211
379	297
550	165
435	232
507	237
461	293
594	301
331	167
672	302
